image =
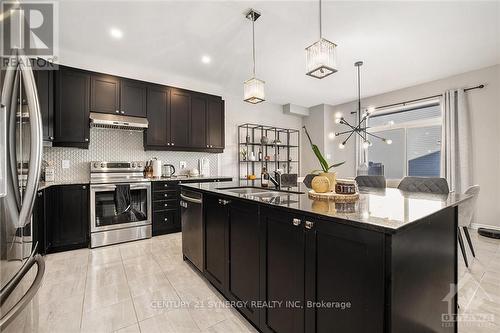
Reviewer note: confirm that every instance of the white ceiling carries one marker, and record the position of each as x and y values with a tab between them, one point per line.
401	43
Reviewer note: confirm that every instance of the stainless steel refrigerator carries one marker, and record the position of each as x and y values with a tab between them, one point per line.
21	269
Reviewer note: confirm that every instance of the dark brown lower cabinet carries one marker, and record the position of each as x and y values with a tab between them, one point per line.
216	219
165	207
344	278
67	217
243	258
282	272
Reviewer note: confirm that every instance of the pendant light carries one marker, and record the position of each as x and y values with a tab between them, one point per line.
253	88
321	57
361	128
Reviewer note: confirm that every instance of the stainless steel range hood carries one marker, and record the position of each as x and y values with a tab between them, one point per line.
104	120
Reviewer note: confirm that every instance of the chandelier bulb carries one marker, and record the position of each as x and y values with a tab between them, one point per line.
342	145
388	141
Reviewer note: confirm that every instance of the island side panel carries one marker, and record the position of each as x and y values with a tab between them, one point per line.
424	271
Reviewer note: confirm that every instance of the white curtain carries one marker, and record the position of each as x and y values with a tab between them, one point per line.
456	151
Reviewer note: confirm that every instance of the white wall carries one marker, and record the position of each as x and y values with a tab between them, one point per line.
484	105
239	112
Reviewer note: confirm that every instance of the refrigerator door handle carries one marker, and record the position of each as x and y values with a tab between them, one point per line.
3	150
23	302
5	103
36	146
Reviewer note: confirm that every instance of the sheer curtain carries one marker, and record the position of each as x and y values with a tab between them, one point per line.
456	151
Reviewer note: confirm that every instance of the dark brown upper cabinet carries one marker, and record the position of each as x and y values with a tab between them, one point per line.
105	94
110	94
198	122
191	121
180	106
158	111
133	95
215	123
45	87
71	121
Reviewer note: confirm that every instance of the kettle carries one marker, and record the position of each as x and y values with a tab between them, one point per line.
167	170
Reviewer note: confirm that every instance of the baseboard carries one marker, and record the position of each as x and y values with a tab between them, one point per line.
487	226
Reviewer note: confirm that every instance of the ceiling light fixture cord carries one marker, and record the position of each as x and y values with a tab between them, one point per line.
320	30
253	41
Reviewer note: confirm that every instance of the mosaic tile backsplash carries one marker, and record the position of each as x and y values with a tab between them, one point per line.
116	145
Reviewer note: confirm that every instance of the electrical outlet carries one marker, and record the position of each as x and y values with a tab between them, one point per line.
182	165
65	164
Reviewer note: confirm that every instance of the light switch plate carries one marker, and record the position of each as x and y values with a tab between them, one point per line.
65	164
182	165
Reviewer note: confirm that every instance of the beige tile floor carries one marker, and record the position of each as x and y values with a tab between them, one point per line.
145	286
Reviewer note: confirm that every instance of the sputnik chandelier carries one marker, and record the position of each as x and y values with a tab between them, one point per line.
361	128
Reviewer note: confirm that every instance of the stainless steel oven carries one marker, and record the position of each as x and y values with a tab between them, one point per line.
120	211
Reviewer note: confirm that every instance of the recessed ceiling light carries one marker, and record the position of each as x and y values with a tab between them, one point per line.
116	33
206	59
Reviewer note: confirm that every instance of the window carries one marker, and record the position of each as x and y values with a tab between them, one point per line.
416	143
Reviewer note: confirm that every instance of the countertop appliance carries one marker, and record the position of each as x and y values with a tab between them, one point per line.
167	171
20	166
120	203
192	227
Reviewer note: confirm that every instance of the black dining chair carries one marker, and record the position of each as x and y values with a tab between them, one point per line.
424	185
371	181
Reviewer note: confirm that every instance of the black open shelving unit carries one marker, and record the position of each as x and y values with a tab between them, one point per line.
282	155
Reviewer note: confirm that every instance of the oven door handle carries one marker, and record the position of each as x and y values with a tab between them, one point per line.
103	188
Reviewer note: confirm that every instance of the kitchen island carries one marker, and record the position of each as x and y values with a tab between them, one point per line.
292	264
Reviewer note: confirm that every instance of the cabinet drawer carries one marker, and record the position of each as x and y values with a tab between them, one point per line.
165	186
166	195
166	222
164	205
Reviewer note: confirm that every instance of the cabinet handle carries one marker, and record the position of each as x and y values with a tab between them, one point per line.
172	143
84	187
165	219
168	144
39	194
296	222
51	138
165	195
309	225
165	205
86	139
122	112
224	202
117	111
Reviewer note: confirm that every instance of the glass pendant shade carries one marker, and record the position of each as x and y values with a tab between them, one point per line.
253	91
321	59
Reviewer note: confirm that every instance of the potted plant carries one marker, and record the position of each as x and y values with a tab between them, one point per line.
325	168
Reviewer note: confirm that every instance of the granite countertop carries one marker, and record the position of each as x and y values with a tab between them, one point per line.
43	185
388	210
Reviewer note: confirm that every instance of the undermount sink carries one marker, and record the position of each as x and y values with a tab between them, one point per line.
257	190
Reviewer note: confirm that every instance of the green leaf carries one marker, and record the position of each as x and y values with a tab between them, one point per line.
335	165
315	149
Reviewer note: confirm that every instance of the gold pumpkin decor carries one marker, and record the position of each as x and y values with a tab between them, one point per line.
321	184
